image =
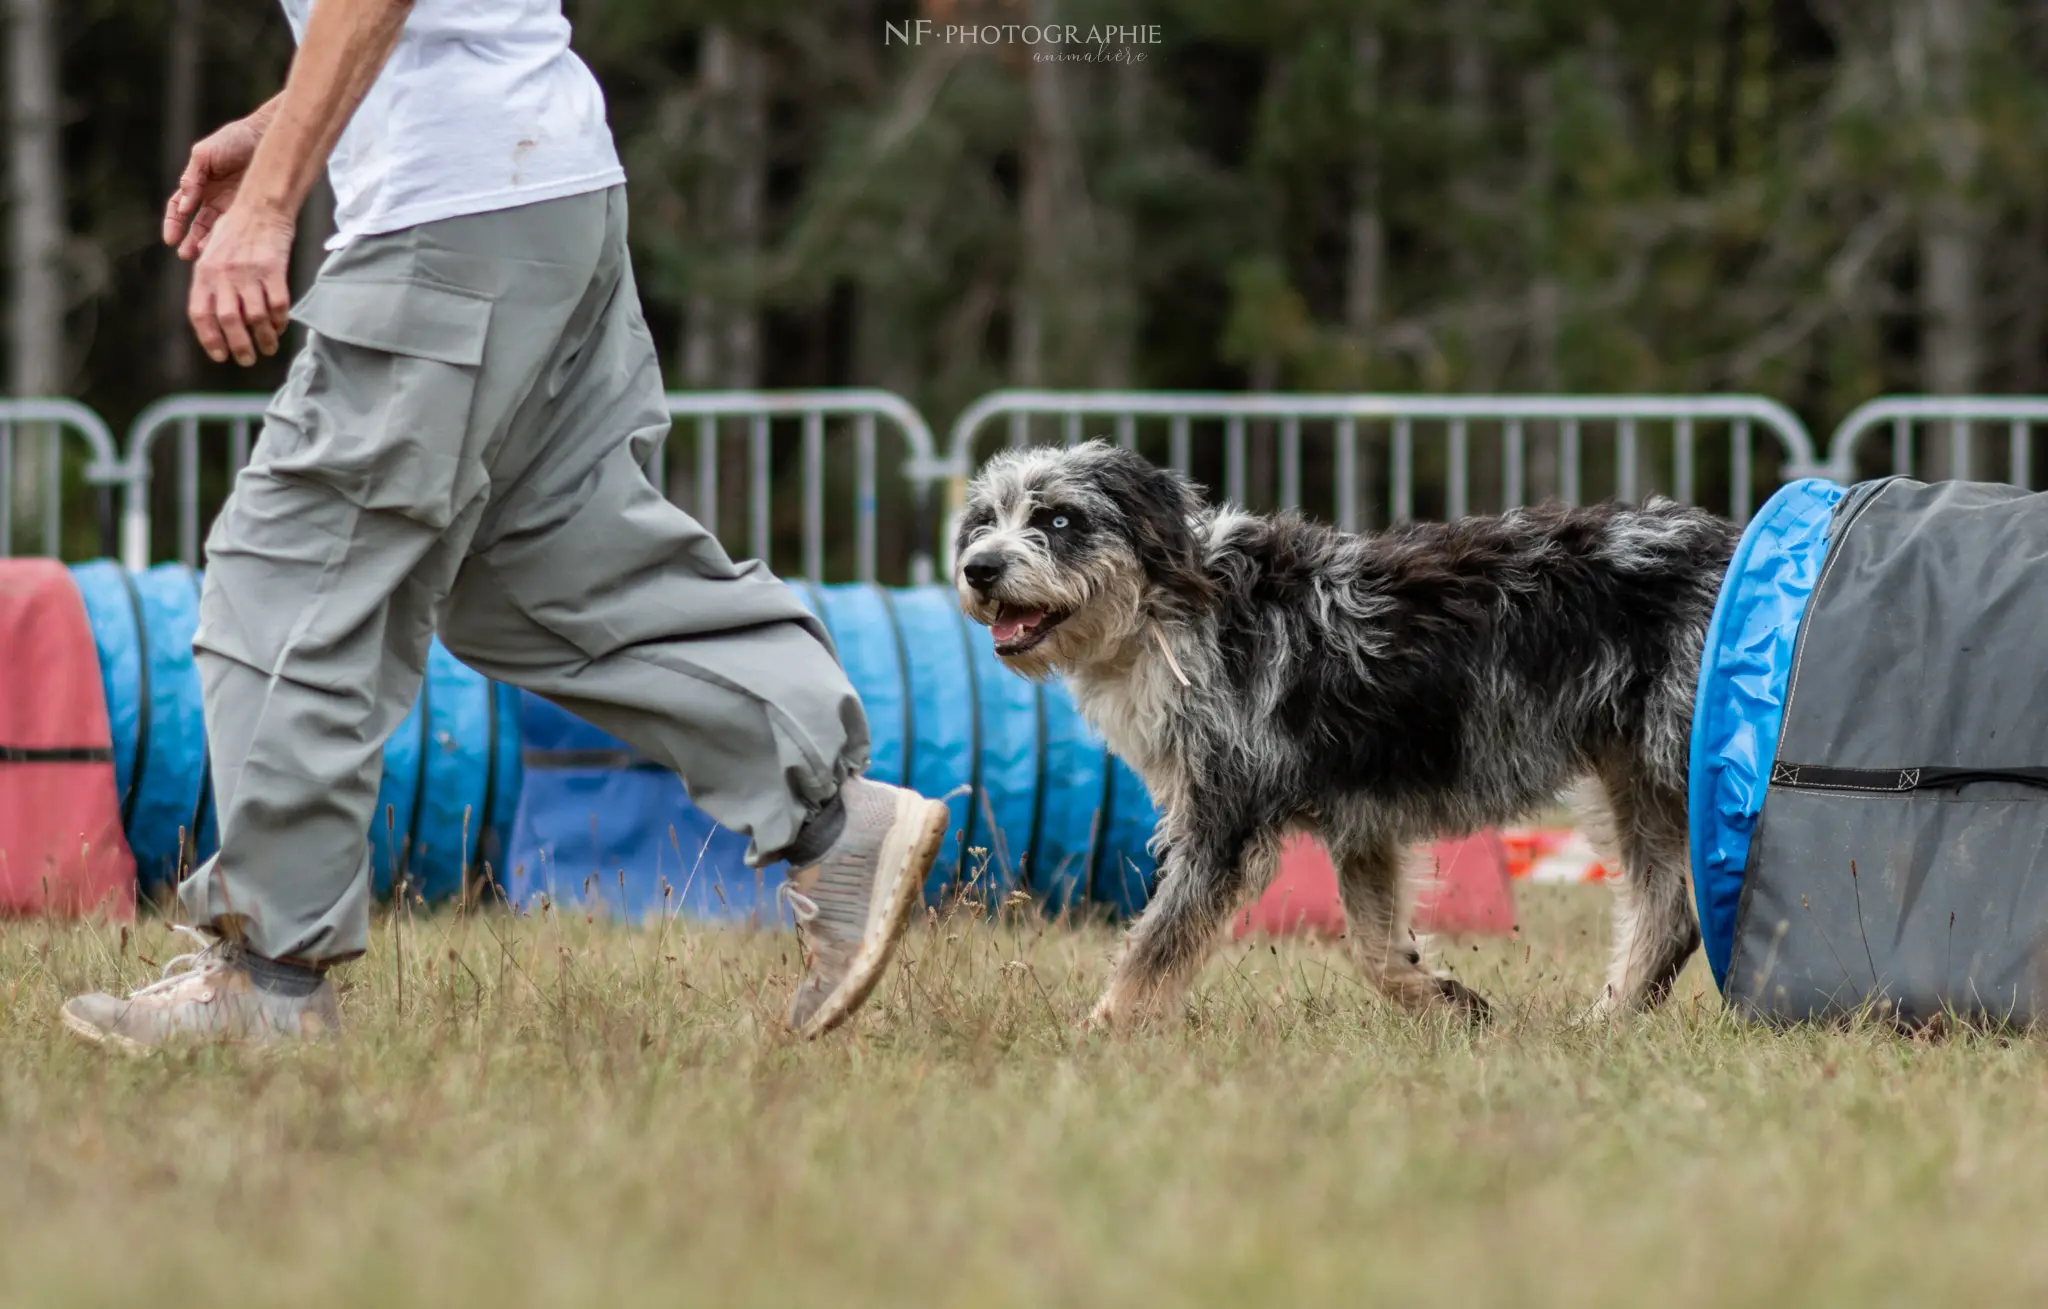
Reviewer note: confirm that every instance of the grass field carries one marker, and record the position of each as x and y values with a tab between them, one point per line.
545	1111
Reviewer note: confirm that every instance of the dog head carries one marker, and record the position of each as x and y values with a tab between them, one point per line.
1064	554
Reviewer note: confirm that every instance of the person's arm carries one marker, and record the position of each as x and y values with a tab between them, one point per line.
241	296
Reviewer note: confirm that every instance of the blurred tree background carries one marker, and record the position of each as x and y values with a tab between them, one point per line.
1819	200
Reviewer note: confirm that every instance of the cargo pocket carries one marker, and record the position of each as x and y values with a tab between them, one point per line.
382	413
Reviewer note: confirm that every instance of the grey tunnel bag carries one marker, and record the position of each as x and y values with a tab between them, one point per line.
1900	862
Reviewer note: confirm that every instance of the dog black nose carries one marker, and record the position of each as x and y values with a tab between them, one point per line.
982	573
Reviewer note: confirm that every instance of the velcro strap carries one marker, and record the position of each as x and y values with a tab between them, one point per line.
59	754
1895	781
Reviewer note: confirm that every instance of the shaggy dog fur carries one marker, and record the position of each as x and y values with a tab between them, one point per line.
1271	675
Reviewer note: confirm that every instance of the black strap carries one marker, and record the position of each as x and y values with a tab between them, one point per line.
612	760
477	858
205	800
1098	836
142	706
961	876
1895	781
56	754
1028	865
401	879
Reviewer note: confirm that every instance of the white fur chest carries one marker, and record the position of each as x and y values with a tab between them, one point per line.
1129	710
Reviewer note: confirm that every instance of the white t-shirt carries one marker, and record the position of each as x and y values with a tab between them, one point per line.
482	106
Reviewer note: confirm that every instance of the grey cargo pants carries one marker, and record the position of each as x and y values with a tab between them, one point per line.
460	445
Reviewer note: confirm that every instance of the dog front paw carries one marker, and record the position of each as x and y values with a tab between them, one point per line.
1463	999
1103	1018
1602	1011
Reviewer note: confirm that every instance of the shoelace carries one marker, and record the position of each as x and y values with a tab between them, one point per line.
801	907
208	956
805	911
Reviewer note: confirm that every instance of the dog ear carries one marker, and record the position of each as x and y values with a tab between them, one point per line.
1158	507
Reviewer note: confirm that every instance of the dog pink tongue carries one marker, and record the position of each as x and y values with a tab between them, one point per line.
1009	629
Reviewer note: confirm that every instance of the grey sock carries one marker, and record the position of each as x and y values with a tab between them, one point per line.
281	978
820	830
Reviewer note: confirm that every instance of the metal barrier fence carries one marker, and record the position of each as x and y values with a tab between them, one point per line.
1362	460
863	410
183	416
1485	453
1976	425
860	415
50	422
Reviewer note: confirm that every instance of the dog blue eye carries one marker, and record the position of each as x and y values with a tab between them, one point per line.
1060	521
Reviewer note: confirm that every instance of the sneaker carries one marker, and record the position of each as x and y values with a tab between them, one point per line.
852	905
207	995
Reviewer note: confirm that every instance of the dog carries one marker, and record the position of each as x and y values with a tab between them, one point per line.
1271	675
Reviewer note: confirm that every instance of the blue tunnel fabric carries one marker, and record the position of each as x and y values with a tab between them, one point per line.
1124	867
1006	781
1740	701
451	782
872	653
453	774
505	780
1026	781
142	624
598	825
1072	765
110	612
454	759
942	729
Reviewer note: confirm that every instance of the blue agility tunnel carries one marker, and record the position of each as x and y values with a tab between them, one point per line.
1038	803
599	825
451	770
142	625
451	782
1745	668
1870	805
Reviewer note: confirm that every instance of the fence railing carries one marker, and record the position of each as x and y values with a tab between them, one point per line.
862	417
182	417
51	425
867	461
1371	452
862	411
1963	437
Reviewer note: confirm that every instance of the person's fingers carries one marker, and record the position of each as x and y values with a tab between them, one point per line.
174	220
227	302
277	291
257	317
196	236
205	322
186	199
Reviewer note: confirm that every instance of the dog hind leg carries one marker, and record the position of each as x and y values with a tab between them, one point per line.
1371	880
1655	927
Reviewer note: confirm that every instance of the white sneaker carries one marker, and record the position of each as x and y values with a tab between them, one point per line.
208	995
852	905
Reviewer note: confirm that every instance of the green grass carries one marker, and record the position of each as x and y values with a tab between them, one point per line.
560	1113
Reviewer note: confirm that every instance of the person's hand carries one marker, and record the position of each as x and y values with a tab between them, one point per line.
207	189
241	297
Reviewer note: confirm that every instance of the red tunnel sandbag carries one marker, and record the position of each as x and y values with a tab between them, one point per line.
1463	891
61	847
